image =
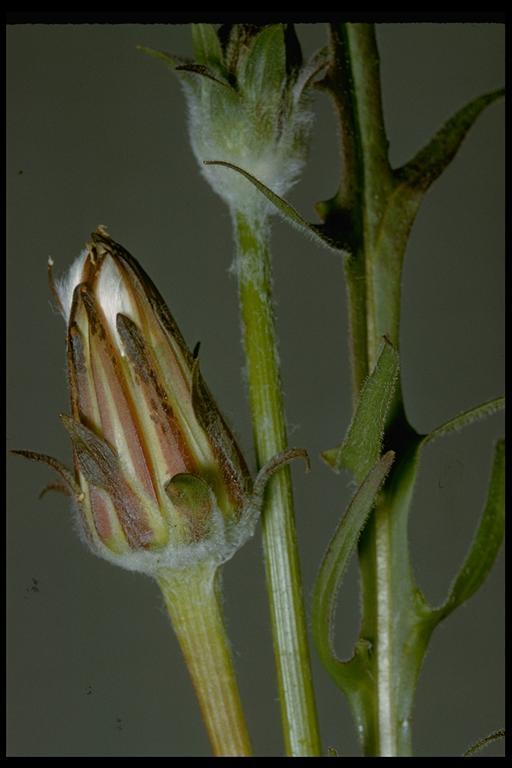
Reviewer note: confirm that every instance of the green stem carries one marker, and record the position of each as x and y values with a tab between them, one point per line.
393	623
192	597
298	708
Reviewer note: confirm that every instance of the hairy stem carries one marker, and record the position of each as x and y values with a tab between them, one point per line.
192	597
373	273
291	650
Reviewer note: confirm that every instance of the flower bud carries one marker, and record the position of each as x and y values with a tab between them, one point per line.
158	475
247	93
159	481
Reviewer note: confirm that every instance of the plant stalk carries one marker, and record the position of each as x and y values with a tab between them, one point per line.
392	623
298	709
192	598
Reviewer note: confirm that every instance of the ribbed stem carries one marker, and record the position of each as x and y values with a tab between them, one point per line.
299	718
373	273
193	602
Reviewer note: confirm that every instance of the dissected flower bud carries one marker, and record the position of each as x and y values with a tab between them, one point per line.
248	98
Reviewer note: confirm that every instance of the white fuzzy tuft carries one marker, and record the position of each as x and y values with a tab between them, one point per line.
113	297
66	284
235	136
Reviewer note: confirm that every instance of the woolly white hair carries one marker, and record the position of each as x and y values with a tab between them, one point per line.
113	297
275	161
111	293
66	284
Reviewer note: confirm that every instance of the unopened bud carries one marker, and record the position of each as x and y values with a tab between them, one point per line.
159	481
248	97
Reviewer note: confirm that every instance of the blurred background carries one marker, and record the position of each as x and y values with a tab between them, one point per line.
97	134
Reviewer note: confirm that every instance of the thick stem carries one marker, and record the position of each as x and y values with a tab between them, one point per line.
192	597
373	271
291	650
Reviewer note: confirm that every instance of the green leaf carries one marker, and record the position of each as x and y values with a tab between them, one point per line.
428	164
170	59
206	45
263	70
283	207
200	69
466	418
336	560
362	445
486	542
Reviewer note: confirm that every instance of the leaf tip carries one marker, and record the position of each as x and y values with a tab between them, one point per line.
331	458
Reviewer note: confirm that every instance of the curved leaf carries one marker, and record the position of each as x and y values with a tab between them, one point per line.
486	542
428	164
336	559
286	210
362	445
465	418
200	69
170	59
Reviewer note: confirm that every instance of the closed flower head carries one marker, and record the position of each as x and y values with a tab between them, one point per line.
159	480
248	97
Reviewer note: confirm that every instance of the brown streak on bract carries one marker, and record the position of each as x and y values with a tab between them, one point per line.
162	411
232	463
149	290
76	349
100	466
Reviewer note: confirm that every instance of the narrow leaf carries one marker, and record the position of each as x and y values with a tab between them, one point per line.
482	743
466	418
170	59
283	207
199	69
206	45
362	445
428	164
264	68
486	542
337	557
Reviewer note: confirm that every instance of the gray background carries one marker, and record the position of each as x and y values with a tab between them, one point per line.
97	134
